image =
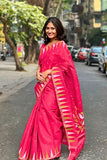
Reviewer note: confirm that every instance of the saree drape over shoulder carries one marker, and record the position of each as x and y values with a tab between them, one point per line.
57	116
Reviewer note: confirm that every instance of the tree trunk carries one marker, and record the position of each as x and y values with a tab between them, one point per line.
26	30
45	9
31	57
34	50
31	2
51	4
44	4
31	51
40	3
13	47
58	7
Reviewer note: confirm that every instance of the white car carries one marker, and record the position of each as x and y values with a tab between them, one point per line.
70	47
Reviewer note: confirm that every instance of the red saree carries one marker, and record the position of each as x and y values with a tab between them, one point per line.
57	116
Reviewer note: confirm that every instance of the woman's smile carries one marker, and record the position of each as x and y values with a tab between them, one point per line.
51	31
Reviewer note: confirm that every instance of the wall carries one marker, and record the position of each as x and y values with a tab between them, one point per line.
104	5
97	5
2	37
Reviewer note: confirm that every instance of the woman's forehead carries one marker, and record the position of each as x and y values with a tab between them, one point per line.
50	24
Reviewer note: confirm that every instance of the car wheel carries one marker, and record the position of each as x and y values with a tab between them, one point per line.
89	63
99	68
104	69
86	62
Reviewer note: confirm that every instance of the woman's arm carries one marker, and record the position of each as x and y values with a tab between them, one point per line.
46	73
39	75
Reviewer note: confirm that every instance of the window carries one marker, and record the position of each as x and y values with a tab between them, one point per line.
97	19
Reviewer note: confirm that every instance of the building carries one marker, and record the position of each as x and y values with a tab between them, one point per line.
77	10
90	18
94	16
104	16
2	38
97	14
103	5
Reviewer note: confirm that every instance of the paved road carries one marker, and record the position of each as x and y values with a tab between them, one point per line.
14	113
12	81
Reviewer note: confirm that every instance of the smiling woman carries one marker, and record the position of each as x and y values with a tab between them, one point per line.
51	31
53	27
57	116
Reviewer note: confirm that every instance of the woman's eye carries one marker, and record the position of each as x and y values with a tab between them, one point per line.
52	28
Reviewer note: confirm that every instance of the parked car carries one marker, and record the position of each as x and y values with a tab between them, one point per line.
82	53
70	47
74	52
76	57
102	65
92	56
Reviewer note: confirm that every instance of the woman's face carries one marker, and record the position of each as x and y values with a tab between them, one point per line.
51	31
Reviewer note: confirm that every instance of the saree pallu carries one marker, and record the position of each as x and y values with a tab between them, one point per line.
57	116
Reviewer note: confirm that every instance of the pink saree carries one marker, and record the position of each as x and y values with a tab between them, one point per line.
57	116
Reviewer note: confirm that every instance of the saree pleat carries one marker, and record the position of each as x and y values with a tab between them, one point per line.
43	134
57	116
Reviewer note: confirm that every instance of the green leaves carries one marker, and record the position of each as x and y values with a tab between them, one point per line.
95	37
19	14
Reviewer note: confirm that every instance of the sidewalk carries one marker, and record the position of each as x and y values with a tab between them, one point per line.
10	80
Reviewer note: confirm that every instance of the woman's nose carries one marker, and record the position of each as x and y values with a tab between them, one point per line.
50	30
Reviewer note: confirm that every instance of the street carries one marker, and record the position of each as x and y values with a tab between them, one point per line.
15	111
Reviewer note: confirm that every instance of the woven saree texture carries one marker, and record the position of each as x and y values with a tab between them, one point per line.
57	116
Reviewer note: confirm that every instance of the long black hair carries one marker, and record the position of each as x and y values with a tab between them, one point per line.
59	29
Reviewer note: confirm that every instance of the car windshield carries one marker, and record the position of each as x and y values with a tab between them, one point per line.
84	50
97	49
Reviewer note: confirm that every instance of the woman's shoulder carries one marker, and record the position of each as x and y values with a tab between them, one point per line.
63	44
58	44
42	46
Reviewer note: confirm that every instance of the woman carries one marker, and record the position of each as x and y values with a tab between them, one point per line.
57	116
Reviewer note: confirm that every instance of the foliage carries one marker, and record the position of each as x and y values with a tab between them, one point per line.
104	16
95	37
65	5
17	14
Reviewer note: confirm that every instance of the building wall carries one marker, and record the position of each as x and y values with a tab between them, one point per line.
97	5
104	20
97	14
2	37
103	5
96	25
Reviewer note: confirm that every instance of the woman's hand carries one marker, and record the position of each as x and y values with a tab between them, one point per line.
46	73
39	77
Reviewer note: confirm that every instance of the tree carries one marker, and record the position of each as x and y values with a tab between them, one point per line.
95	37
30	16
31	49
57	6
